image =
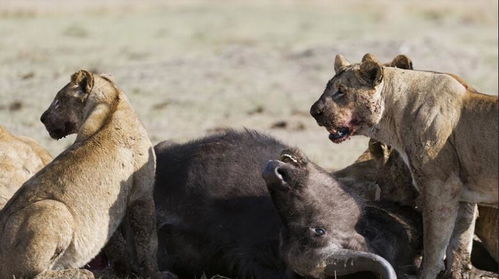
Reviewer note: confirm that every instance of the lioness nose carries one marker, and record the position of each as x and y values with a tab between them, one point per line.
317	109
43	118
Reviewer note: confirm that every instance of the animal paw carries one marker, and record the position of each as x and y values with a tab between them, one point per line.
469	273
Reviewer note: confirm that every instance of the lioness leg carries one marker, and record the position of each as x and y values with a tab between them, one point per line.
440	208
142	236
35	238
143	240
117	254
458	260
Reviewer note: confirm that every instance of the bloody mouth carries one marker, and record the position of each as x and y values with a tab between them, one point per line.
340	134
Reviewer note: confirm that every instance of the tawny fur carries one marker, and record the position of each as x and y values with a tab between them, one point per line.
487	229
20	158
445	132
65	214
380	173
382	169
378	166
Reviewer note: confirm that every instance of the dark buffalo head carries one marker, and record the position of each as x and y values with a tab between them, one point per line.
319	236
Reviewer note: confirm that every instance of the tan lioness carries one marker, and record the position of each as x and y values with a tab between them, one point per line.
381	166
362	176
380	173
62	217
20	158
446	133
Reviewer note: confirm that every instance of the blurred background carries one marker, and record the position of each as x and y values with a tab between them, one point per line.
196	67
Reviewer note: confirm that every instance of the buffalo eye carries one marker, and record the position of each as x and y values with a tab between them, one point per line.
289	159
318	231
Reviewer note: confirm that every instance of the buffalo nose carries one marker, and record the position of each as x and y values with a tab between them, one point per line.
272	173
317	109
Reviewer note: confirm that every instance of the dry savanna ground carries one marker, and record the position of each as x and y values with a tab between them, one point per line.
194	67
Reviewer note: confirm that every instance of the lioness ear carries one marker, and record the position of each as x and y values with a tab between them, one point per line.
84	79
370	57
108	77
371	70
401	61
380	151
340	62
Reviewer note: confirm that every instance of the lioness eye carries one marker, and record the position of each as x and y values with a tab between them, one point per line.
340	92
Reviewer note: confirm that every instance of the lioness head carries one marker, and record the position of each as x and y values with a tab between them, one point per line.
73	102
351	102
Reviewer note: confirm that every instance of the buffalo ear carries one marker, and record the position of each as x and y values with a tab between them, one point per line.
402	61
371	70
84	79
340	62
294	156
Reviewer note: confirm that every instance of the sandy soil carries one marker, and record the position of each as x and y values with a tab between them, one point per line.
193	67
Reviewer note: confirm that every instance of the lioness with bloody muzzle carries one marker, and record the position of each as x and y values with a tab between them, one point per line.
446	133
62	217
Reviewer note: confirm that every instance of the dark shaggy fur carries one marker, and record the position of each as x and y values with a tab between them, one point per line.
214	212
215	215
321	216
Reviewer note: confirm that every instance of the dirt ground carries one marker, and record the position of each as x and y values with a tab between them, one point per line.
193	67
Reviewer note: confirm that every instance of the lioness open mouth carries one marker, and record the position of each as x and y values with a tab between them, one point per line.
341	134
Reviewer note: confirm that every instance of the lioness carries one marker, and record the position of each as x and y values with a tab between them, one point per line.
362	176
20	158
428	118
383	167
63	216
